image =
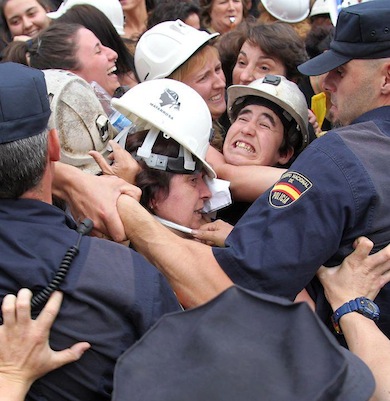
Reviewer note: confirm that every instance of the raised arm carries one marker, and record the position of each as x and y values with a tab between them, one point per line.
189	266
94	197
25	353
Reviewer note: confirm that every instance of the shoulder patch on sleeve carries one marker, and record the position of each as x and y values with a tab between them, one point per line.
289	189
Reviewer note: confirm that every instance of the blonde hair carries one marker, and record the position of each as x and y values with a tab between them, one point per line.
196	62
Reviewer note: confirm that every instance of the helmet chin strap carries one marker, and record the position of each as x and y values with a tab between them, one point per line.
189	163
145	150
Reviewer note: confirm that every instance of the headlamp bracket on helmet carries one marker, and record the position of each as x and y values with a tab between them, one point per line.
102	124
272	79
183	164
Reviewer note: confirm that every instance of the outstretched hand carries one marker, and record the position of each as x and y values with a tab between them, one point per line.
360	274
214	233
123	164
25	353
94	197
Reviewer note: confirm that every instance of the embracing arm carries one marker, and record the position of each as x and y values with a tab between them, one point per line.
362	274
247	183
94	197
189	266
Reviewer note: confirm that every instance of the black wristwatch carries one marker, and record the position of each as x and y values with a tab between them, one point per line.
362	305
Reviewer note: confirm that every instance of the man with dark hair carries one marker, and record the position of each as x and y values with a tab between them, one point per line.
112	295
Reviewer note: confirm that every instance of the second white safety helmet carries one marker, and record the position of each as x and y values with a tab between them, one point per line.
79	118
165	47
290	11
320	7
281	92
172	109
111	8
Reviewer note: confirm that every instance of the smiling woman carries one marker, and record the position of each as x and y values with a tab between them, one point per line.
107	31
20	18
203	72
175	50
96	62
269	49
74	48
222	15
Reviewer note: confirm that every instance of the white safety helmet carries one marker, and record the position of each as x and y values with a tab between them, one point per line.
335	8
176	110
291	11
79	119
280	91
320	7
111	8
165	47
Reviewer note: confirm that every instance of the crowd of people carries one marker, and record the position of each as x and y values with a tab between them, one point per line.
249	167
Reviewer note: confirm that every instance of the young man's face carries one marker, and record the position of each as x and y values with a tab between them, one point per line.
255	138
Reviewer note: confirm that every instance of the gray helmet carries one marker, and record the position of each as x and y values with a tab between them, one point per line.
280	91
79	118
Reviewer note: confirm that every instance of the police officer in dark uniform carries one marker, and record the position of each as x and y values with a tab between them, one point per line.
112	295
336	190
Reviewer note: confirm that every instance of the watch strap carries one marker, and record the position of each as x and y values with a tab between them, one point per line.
359	305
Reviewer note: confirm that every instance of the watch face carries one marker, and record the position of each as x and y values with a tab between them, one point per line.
368	308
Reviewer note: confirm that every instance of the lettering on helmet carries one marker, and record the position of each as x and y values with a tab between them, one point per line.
289	189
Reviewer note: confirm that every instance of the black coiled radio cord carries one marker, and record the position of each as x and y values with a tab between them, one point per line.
84	228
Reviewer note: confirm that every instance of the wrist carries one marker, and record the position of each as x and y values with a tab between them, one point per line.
337	303
64	176
13	389
361	305
60	180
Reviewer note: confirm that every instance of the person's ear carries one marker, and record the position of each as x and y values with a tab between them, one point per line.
385	89
153	204
285	156
54	146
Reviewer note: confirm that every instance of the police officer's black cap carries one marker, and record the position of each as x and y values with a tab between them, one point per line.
24	104
362	32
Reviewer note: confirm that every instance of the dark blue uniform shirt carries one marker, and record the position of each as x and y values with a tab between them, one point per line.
112	295
337	190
